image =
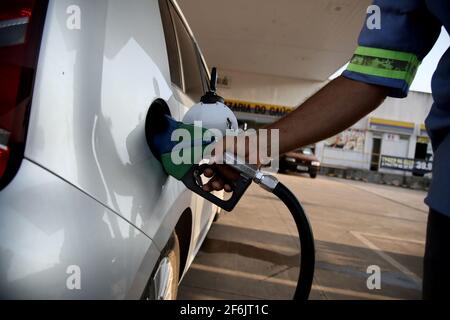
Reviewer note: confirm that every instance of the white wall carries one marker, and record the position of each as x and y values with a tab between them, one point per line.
413	109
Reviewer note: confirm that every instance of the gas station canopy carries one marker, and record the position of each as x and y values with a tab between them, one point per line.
301	39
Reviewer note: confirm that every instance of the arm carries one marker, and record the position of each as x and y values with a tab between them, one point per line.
336	107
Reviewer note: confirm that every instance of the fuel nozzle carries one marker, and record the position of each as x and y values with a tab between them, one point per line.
265	181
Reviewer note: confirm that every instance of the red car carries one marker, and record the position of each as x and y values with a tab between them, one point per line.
300	160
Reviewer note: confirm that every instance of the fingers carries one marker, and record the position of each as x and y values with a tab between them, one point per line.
209	172
227	188
221	176
228	172
215	184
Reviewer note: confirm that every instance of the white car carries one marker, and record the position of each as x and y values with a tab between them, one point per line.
86	211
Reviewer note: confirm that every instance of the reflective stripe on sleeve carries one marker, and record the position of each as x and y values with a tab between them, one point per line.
385	63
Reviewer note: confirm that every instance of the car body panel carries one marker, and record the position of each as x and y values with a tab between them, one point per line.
301	157
95	86
93	89
48	226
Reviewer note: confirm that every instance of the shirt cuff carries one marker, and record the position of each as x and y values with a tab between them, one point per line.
393	69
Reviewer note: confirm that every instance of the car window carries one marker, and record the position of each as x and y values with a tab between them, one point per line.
193	84
204	74
307	151
171	44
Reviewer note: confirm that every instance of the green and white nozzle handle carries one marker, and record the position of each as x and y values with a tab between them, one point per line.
210	113
248	174
214	114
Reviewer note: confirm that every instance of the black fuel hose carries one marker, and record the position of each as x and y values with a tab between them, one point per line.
307	254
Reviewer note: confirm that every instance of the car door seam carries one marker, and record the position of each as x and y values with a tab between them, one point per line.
93	198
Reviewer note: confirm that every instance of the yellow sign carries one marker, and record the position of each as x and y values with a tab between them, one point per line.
392	123
258	108
424	140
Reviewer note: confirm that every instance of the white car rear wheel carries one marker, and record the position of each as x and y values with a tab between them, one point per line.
165	280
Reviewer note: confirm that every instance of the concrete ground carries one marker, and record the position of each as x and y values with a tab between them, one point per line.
252	253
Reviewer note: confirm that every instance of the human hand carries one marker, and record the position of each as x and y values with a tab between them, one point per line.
220	173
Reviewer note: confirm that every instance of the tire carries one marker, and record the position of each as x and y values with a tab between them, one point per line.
165	278
217	216
313	175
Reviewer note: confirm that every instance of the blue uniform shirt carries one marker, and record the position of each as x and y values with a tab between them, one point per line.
390	55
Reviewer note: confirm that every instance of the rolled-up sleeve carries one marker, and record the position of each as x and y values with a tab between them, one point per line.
390	55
